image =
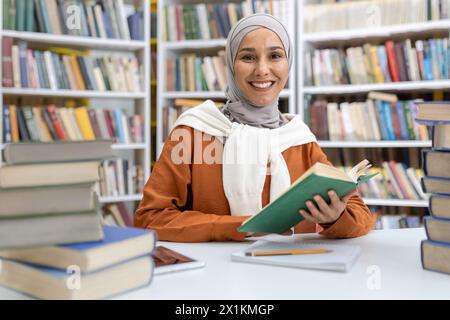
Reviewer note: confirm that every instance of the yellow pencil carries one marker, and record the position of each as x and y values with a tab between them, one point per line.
285	252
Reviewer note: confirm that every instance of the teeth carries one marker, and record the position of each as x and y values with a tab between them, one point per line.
262	85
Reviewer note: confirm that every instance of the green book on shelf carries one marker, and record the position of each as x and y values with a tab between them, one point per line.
283	213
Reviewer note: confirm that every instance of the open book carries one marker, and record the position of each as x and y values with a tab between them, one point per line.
283	213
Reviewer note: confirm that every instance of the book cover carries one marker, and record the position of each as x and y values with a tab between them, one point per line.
118	245
283	213
435	256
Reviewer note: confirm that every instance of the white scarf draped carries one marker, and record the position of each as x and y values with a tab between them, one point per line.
246	153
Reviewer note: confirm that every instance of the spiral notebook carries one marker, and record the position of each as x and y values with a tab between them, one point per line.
339	258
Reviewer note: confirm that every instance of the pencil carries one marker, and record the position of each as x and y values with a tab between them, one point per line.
285	252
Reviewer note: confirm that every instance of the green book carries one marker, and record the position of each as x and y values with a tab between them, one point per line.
20	15
6	6
283	213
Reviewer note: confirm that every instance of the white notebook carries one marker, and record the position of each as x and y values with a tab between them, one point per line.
340	258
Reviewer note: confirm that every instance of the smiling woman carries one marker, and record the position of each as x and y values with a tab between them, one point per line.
259	151
261	67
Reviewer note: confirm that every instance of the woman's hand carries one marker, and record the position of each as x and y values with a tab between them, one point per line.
324	213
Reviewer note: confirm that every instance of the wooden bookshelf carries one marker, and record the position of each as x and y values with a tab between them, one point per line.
140	101
174	48
358	36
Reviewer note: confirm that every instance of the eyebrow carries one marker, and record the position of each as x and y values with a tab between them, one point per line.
268	49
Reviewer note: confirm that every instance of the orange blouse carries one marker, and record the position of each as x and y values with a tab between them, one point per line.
185	202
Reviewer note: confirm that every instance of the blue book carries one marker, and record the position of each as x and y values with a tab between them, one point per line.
389	122
23	64
120	244
70	284
119	128
107	24
433	112
402	120
438	206
435	185
7	123
435	256
436	163
382	122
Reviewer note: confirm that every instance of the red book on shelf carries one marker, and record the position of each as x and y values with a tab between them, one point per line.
57	125
109	124
7	65
392	61
125	214
94	123
399	180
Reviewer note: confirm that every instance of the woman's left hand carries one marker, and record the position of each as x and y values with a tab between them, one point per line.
325	213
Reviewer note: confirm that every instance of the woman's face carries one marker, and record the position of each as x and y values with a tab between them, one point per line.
261	68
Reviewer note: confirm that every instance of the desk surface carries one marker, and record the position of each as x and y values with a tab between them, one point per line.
389	268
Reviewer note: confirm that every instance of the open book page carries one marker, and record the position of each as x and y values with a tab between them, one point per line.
359	170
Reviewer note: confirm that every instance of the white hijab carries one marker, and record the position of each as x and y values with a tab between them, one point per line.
246	153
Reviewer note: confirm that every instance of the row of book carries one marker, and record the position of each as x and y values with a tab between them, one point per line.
101	18
171	113
190	72
60	68
52	123
435	251
390	62
371	120
397	221
117	214
394	181
213	21
371	13
120	177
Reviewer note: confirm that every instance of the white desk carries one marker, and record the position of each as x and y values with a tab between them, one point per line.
395	254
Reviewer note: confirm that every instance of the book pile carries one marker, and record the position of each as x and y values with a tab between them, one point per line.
435	251
91	270
50	216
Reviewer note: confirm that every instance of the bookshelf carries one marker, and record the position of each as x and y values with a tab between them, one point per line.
171	49
129	102
357	37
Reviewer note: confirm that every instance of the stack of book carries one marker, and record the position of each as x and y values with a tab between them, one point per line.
91	270
47	192
51	123
435	251
100	18
62	68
